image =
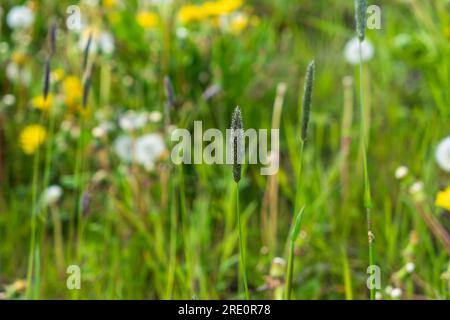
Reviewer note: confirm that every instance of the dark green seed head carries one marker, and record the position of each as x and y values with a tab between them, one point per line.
238	141
87	85
46	79
307	97
170	92
360	16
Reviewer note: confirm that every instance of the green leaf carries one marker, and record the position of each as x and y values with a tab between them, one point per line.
297	224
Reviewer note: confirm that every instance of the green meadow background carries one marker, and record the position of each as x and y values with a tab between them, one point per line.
162	231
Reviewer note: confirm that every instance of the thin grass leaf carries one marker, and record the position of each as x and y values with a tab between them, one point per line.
297	225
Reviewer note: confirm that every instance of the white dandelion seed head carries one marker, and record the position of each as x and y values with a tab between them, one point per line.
52	194
388	290
410	266
149	148
378	295
443	154
106	41
351	51
279	261
12	71
182	33
123	146
401	172
132	120
9	100
100	41
20	17
396	293
15	73
102	129
416	187
155	116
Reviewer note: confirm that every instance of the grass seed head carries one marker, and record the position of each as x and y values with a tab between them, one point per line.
46	88
87	85
307	97
360	16
237	140
86	52
170	92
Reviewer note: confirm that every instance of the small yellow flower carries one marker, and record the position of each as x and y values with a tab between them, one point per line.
211	8
443	199
223	7
110	4
191	13
32	137
43	104
147	20
73	90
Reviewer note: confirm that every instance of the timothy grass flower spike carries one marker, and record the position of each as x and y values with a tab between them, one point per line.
360	17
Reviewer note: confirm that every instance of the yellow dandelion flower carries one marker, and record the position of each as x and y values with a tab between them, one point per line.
32	137
211	8
443	199
239	23
191	13
147	20
73	90
43	104
223	7
110	4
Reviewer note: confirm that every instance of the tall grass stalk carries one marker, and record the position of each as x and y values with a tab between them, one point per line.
306	110
88	69
238	152
290	268
34	195
171	103
34	191
172	243
360	16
